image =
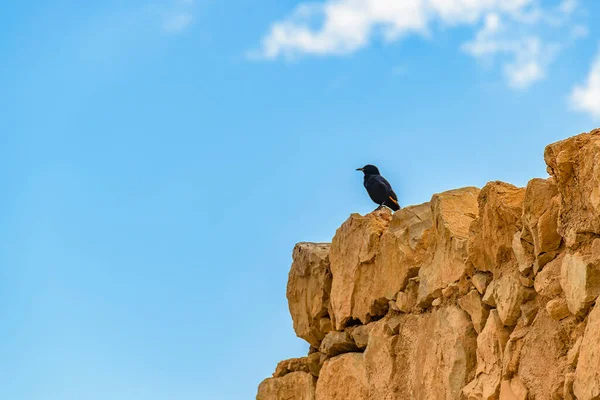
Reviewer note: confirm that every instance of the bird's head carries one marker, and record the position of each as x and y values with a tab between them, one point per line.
369	170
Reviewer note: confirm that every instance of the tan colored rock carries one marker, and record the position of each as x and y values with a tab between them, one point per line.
490	348
337	343
509	294
471	303
547	282
529	311
574	165
314	362
292	365
293	386
436	302
393	323
343	377
359	289
513	390
580	277
526	281
568	388
404	247
500	209
481	281
380	362
573	354
360	335
489	297
558	309
587	375
308	288
408	299
434	355
540	218
453	213
523	251
539	359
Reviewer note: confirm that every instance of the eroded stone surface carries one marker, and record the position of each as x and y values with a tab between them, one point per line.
586	385
575	165
343	377
500	208
472	304
453	212
540	219
490	350
294	386
358	290
308	288
580	277
336	343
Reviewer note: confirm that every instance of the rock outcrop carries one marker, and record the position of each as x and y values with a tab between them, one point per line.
477	294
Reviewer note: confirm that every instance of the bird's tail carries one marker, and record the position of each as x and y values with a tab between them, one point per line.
392	203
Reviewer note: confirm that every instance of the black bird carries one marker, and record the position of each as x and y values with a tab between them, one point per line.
379	188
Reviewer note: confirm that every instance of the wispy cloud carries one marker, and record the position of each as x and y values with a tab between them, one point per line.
586	97
177	16
337	27
175	22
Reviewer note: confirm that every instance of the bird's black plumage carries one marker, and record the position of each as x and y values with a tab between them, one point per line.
379	188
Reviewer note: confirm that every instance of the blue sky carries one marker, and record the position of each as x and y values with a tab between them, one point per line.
160	159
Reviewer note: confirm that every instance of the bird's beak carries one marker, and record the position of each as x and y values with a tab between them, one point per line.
359	169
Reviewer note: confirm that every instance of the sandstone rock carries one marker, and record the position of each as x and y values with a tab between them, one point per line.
500	209
408	299
528	312
509	294
481	281
490	348
294	386
453	213
540	218
471	303
308	290
574	165
523	252
547	282
580	277
380	362
513	390
314	362
526	281
558	309
573	354
292	365
540	356
360	334
433	356
343	377
489	297
336	343
450	290
404	247
568	388
392	324
359	287
436	302
587	375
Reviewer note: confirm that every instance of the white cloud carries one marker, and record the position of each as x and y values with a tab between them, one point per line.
586	97
526	58
349	25
511	30
175	22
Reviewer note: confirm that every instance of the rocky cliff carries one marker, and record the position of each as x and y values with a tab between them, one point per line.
477	294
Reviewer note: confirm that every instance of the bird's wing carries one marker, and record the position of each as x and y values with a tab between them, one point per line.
390	192
393	196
